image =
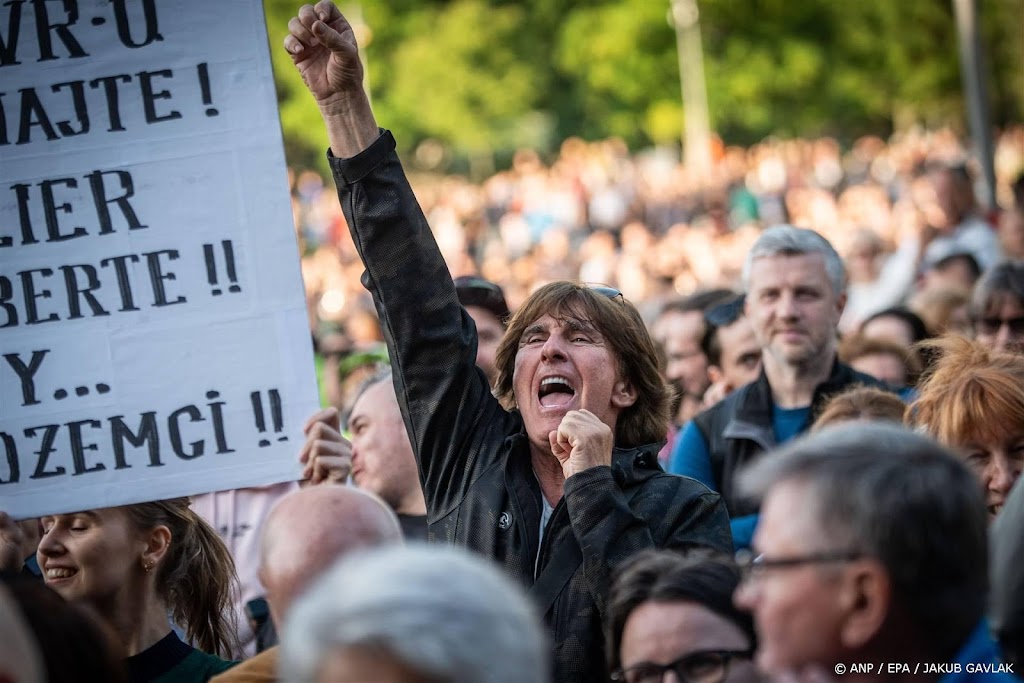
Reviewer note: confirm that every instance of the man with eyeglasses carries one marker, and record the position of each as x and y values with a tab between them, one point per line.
554	474
870	560
997	307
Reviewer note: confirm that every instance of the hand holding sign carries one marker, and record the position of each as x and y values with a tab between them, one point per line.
152	320
327	455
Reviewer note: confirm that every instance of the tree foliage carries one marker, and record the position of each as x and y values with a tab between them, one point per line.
488	76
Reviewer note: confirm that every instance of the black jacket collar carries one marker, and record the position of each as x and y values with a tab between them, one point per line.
755	404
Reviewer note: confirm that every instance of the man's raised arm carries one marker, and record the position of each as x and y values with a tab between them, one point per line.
431	340
323	47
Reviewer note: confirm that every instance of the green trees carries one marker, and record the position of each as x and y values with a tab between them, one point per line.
483	77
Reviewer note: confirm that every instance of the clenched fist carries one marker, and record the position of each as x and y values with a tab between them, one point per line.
582	441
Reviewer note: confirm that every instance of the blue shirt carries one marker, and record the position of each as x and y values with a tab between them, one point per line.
981	655
789	422
691	458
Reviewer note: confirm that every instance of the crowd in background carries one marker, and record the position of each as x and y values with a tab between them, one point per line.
528	430
642	223
921	260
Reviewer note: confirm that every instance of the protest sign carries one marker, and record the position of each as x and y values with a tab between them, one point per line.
153	332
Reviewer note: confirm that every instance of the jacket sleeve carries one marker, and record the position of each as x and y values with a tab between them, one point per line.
691	458
445	400
684	514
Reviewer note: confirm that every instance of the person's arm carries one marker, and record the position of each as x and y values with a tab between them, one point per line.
691	458
897	274
445	400
12	544
680	514
323	48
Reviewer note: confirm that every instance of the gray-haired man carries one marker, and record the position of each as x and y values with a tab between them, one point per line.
871	559
795	292
417	614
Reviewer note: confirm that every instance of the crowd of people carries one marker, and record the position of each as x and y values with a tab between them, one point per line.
880	204
542	468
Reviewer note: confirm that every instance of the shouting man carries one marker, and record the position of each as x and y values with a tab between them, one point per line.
555	474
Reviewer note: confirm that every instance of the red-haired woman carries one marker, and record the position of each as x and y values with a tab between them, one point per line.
972	399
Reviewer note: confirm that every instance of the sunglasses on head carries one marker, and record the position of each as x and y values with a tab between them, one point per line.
604	290
725	314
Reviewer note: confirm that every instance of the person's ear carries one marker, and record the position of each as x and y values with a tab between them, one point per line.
840	305
715	374
624	394
158	543
865	598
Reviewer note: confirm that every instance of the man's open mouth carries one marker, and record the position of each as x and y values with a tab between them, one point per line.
555	392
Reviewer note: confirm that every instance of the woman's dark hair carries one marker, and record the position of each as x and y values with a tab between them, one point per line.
75	644
1004	278
698	577
918	330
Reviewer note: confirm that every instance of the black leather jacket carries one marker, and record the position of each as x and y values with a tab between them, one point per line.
739	428
473	455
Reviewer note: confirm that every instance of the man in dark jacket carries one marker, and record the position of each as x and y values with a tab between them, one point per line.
558	480
795	292
872	561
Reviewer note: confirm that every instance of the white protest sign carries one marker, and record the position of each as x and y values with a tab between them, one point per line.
153	331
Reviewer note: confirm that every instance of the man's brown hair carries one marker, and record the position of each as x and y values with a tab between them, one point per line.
618	321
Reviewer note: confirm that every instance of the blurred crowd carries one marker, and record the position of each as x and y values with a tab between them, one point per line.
827	344
644	224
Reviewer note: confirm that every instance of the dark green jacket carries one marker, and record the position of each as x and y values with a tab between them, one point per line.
473	456
172	661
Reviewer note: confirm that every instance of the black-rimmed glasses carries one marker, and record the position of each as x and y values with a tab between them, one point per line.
703	666
753	565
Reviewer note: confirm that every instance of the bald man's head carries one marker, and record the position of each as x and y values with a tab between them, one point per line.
309	529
